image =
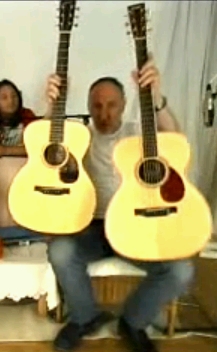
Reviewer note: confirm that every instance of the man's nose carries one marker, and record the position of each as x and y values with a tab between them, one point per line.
104	115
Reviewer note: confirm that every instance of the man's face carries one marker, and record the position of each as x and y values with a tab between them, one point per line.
106	104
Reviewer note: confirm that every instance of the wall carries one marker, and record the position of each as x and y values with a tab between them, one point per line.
99	46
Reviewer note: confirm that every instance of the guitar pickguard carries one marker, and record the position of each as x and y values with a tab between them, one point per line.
173	189
69	172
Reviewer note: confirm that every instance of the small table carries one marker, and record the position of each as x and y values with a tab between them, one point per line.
25	272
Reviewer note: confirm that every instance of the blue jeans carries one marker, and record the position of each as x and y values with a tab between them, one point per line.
70	255
14	234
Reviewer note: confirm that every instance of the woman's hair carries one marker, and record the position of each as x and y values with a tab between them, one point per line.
17	116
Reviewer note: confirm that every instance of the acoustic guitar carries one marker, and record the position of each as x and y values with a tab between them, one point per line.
156	214
52	193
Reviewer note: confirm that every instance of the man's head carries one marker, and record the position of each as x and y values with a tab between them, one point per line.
106	103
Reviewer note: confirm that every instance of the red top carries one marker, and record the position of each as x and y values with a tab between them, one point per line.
28	116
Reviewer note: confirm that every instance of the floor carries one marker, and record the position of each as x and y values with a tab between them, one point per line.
193	344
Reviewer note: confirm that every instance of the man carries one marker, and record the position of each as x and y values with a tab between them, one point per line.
69	255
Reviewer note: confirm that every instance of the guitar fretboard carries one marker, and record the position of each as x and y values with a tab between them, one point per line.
57	122
146	105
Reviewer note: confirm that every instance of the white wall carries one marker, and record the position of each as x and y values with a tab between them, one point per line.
99	46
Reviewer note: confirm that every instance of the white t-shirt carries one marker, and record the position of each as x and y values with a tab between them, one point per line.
99	163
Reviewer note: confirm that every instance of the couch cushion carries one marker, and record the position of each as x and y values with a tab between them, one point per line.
113	266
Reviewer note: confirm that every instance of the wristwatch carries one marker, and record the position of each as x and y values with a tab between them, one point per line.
162	105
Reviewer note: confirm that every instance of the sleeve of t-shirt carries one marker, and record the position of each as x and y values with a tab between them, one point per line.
28	116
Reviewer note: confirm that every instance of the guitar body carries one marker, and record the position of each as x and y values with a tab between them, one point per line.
52	193
163	221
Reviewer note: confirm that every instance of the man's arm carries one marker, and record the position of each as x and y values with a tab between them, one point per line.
48	112
166	121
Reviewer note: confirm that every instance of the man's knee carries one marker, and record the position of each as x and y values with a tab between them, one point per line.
61	251
182	273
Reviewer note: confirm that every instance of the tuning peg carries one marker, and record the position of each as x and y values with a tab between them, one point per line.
128	33
77	8
75	25
127	24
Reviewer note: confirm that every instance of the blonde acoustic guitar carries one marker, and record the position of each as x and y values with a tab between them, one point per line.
156	214
52	193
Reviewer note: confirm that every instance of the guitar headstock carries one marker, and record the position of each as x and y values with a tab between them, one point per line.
67	14
137	16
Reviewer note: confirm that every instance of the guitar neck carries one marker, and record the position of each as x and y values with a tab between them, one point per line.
58	115
148	119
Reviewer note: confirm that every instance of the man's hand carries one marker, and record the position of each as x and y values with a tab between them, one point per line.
53	88
149	74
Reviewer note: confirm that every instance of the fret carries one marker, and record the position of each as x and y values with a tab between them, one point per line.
58	115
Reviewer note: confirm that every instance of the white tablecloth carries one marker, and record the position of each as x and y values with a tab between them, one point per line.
25	272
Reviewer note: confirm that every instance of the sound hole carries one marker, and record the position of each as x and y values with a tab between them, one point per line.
152	171
69	172
55	154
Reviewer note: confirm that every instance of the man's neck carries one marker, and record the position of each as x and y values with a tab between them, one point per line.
110	134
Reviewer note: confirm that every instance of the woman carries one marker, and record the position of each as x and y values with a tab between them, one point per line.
14	117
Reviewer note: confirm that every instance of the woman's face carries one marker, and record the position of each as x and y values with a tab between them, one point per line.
9	100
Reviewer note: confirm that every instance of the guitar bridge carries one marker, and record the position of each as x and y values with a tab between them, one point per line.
52	191
155	212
